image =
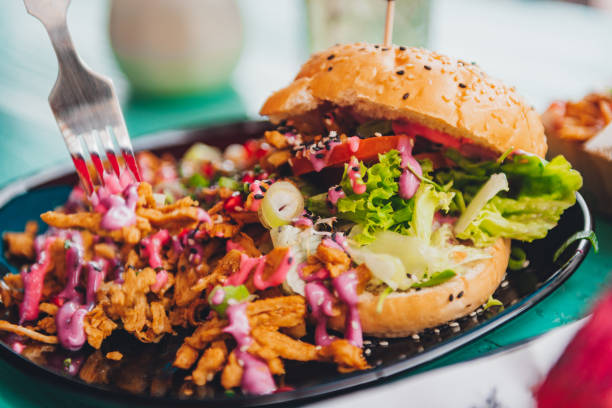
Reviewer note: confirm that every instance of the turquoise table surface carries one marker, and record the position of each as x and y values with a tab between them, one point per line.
29	140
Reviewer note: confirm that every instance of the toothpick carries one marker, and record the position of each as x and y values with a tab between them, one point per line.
389	22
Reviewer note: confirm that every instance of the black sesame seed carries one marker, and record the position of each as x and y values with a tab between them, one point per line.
258	196
377	46
427	67
330	57
193	250
290	260
400	72
405	96
462	85
262	188
450	297
417	289
233	221
384	49
130	266
330	68
459	295
319	155
338	188
402	48
355	168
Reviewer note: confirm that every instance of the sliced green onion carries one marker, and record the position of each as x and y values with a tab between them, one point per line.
381	299
230	294
493	302
505	155
230	183
282	203
198	181
518	259
495	184
436	279
590	235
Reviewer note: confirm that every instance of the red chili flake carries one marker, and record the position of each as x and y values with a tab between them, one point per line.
232	202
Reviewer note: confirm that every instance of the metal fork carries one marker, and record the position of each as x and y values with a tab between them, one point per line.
84	103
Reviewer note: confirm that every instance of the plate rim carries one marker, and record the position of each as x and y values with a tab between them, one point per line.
346	382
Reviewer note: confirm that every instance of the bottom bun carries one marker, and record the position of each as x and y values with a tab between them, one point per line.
405	313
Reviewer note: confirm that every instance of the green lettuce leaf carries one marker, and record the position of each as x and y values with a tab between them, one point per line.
539	193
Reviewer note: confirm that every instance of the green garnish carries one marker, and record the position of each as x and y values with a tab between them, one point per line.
590	235
518	259
230	183
198	181
436	279
493	302
67	244
381	299
67	363
231	294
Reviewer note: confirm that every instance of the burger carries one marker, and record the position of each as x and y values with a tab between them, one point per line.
422	170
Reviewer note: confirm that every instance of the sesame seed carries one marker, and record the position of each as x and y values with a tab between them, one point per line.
472	314
415	337
383	343
453	324
367	352
330	57
377	134
504	284
330	68
405	96
437	331
402	48
451	297
400	72
402	356
427	67
420	349
459	295
462	85
367	342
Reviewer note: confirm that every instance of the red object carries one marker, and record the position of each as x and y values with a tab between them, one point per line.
231	203
208	170
583	375
33	284
255	149
131	163
81	167
368	149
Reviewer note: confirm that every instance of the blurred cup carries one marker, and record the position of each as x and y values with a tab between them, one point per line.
346	21
178	47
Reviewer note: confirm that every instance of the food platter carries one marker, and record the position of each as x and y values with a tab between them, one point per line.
146	375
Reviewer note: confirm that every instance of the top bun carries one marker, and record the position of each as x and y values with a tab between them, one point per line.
418	86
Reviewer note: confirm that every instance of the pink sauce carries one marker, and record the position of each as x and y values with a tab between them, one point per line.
303	221
34	278
354	173
321	304
231	245
218	296
334	194
203	216
160	281
353	143
408	181
117	202
331	244
319	158
152	246
96	272
74	265
247	264
277	277
346	287
258	195
69	322
76	200
256	376
321	274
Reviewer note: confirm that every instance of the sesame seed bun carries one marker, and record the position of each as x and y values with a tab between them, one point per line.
415	85
405	313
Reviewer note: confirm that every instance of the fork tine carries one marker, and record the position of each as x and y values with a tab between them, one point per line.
109	148
78	158
94	154
123	139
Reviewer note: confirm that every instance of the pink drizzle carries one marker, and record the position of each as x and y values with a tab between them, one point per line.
318	163
231	245
354	174
117	201
408	182
303	221
96	272
319	275
153	245
74	265
69	322
256	376
218	296
256	190
247	264
334	194
346	287
321	304
160	281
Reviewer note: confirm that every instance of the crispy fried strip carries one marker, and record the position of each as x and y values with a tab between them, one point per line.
283	311
48	308
283	345
186	356
347	356
232	373
22	331
210	363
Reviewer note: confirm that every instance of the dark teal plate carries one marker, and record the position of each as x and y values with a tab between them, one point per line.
145	374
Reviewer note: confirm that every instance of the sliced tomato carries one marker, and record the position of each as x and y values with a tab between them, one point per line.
368	149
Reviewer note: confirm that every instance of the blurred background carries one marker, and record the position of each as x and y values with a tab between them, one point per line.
184	63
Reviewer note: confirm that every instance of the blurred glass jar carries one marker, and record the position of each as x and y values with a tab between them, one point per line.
176	47
346	21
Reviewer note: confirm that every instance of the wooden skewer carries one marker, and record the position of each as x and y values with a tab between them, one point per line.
389	22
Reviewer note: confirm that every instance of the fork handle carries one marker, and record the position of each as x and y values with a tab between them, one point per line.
52	14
